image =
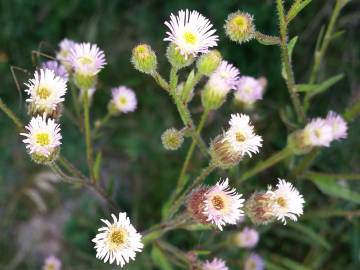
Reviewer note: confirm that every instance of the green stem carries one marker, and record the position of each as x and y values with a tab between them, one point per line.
263	165
89	150
352	112
304	163
188	87
266	39
290	80
9	113
101	123
161	81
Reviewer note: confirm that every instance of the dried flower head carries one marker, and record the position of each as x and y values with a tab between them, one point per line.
191	32
144	59
239	27
117	241
172	139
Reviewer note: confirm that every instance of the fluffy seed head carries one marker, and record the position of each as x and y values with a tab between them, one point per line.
123	100
247	238
144	59
172	139
118	241
209	62
215	264
239	27
191	32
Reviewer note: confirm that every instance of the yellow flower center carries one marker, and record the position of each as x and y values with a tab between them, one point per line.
85	60
51	266
117	238
281	201
240	137
43	92
317	133
240	22
190	38
122	100
218	202
141	51
43	139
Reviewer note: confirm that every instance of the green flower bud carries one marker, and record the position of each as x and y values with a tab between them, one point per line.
212	97
45	160
208	63
144	59
296	142
239	27
85	81
176	59
172	139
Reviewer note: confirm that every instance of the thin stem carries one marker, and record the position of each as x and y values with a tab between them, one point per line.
290	80
263	165
101	123
9	113
305	163
89	150
161	81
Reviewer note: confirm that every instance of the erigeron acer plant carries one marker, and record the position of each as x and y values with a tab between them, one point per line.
192	45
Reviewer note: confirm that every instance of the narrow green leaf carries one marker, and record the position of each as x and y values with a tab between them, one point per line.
337	34
272	266
160	259
297	7
332	188
319	38
97	165
306	87
291	46
315	89
313	236
290	264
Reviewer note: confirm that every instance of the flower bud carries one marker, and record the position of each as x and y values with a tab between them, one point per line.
239	27
259	208
144	59
172	139
212	97
44	159
176	59
209	62
84	81
223	153
296	142
195	204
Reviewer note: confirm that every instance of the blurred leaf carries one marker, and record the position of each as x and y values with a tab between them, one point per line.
272	266
314	89
198	227
201	252
297	7
337	34
311	234
160	259
290	264
319	39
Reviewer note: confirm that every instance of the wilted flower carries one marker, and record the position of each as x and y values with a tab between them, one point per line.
52	263
222	204
43	139
239	27
337	124
191	32
123	100
249	90
254	262
144	59
172	139
195	204
46	91
215	264
117	241
247	238
58	69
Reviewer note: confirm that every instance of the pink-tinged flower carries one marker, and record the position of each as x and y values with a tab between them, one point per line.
247	238
58	69
124	99
191	32
66	46
254	262
225	77
222	204
215	264
249	90
52	263
338	125
317	133
87	59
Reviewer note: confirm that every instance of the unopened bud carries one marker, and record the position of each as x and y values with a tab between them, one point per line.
144	59
239	27
172	139
45	160
209	62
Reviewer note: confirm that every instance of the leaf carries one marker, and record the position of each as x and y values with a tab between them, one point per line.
97	165
314	89
291	46
160	259
306	87
271	266
332	188
297	7
290	264
311	234
319	39
337	34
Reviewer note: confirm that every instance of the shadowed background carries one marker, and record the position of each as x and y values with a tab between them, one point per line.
137	171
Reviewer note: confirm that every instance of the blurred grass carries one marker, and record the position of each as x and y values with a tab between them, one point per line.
142	174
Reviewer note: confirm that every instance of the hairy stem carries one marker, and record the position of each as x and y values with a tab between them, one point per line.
89	150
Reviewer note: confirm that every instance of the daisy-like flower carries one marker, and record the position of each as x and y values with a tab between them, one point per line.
123	99
247	238
215	264
52	263
63	55
337	124
46	91
58	69
317	133
191	32
241	135
117	241
222	204
249	90
43	138
254	262
286	201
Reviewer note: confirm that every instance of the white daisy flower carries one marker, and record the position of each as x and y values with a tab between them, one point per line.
63	55
215	264
124	99
241	135
225	77
191	32
247	238
43	136
117	241
222	204
52	263
338	125
46	91
87	59
249	90
286	201
318	133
